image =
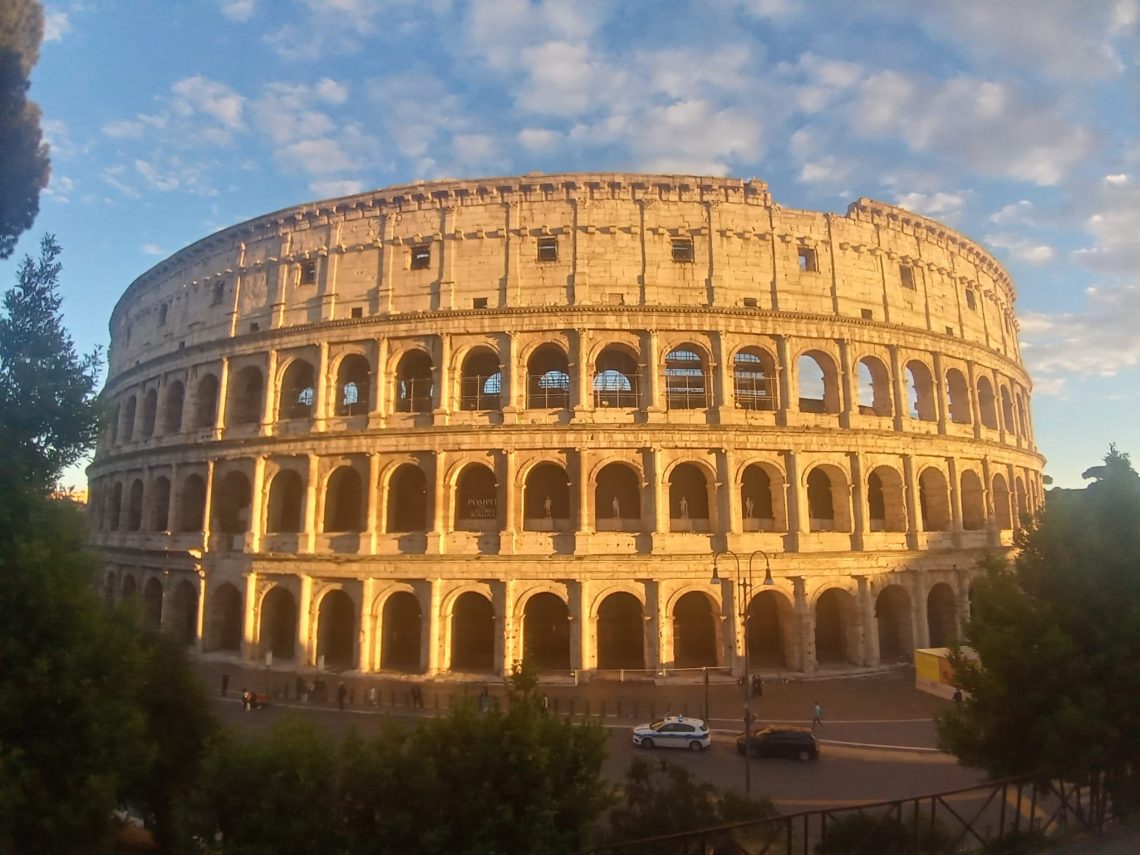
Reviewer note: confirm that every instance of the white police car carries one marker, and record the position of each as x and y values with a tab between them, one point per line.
673	731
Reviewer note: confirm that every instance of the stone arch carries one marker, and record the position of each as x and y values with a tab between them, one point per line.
754	379
920	392
973	501
934	500
183	622
617	498
152	602
873	387
224	627
110	583
761	505
206	402
893	617
243	404
353	385
336	630
116	508
473	633
344	501
621	632
548	378
232	499
1003	514
885	503
1019	403
546	498
958	397
127	431
297	391
688	384
817	383
402	637
836	630
278	633
409	504
827	497
135	505
150	412
987	405
617	378
695	628
192	503
942	615
129	587
159	503
771	630
476	499
546	632
1007	420
689	504
480	380
286	500
415	384
1020	498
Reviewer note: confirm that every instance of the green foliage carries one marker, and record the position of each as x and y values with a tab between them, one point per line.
871	834
24	164
1057	636
48	410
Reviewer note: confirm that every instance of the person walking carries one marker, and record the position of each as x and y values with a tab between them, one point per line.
341	694
545	704
485	701
816	716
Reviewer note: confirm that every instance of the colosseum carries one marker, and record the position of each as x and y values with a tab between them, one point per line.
602	422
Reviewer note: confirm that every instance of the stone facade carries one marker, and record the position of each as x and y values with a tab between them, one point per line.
440	427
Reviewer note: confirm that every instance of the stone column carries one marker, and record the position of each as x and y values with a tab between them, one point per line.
200	617
583	375
975	403
269	405
257	504
510	503
582	656
249	623
898	392
796	502
663	623
913	509
305	650
310	537
430	649
660	495
378	394
321	391
208	503
805	626
955	493
223	395
651	370
859	510
373	495
367	660
512	383
784	373
850	403
441	518
921	627
866	610
502	599
940	392
174	508
733	522
724	390
443	376
585	506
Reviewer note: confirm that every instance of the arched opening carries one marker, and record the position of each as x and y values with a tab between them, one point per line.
1022	417
621	633
757	507
225	625
150	412
548	379
973	502
873	387
400	645
109	585
546	633
892	614
232	504
920	392
616	379
754	379
278	624
546	499
476	500
192	504
694	632
297	393
408	508
336	631
481	381
152	603
934	500
353	383
286	495
1003	514
942	615
135	506
817	383
1007	412
130	588
183	623
821	501
160	504
112	424
414	383
206	402
116	507
1020	499
687	381
617	499
770	627
958	397
473	634
688	499
986	403
835	628
173	402
243	406
344	501
886	508
127	431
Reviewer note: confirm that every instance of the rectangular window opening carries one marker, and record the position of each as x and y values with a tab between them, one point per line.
218	293
357	312
254	326
751	303
949	330
808	261
548	249
162	315
868	315
421	257
308	273
906	274
615	299
971	300
479	303
683	250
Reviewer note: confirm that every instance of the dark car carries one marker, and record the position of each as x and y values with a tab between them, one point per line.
793	743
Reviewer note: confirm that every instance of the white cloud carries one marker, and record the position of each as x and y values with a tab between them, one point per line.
337	187
60	188
539	139
1114	224
826	170
124	129
1117	180
1020	211
319	156
1022	249
331	91
239	10
56	25
201	95
943	206
152	249
287	111
474	148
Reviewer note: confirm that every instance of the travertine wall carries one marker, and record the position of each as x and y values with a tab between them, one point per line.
840	397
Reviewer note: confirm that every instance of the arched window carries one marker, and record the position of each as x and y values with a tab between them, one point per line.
754	379
757	508
548	379
873	387
617	498
1007	412
414	384
160	504
481	380
934	500
686	380
172	407
135	506
920	392
973	502
243	406
192	504
1003	513
616	379
127	431
476	500
286	495
958	397
116	509
232	497
296	391
206	402
987	404
408	506
821	508
150	412
344	501
546	499
817	383
887	510
353	382
688	499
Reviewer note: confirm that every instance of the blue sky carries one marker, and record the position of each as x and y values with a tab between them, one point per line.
1014	122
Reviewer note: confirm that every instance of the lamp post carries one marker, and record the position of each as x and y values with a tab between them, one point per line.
744	587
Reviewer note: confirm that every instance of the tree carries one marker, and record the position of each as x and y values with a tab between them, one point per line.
48	409
24	164
1057	638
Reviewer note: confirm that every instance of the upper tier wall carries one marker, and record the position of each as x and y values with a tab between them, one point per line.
559	240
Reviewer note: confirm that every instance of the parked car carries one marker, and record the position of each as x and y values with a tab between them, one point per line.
673	731
793	743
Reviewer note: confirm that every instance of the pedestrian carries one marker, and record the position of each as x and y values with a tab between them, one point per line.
757	686
485	701
372	698
246	700
341	694
417	696
958	698
545	704
225	684
816	716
